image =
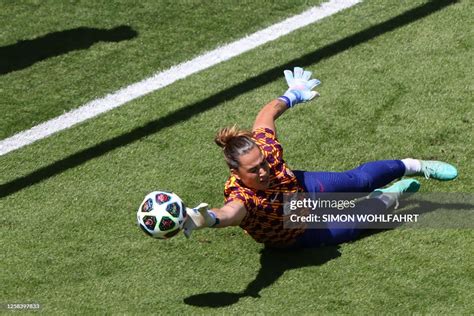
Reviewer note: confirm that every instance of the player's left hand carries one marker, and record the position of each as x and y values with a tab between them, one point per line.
197	218
300	86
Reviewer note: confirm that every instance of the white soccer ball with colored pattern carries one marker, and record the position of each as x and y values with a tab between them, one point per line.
161	214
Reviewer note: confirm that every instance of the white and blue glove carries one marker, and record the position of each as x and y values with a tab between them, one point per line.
300	87
197	218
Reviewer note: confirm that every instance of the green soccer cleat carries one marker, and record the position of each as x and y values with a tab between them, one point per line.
438	170
392	194
400	187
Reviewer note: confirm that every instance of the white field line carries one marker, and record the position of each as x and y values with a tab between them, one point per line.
167	77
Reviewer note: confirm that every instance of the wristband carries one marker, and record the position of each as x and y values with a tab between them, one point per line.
216	219
291	98
286	100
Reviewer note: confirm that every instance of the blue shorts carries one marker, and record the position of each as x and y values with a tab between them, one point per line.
365	178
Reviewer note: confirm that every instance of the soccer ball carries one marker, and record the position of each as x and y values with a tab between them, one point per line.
161	214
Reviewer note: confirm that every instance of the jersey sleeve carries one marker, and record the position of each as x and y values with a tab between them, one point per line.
269	144
233	191
233	194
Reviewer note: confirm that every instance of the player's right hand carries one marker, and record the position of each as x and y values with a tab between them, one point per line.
197	218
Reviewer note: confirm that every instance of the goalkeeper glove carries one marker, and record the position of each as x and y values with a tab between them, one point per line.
198	218
300	87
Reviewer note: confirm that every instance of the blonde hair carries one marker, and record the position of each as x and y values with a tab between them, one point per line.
234	142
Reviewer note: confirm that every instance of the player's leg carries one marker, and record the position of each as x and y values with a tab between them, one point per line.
381	202
372	175
340	232
365	178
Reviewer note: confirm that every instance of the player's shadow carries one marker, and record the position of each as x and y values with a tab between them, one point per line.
422	206
273	263
25	53
456	216
190	110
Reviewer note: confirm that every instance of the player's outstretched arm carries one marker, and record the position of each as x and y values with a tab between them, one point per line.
300	87
201	216
269	113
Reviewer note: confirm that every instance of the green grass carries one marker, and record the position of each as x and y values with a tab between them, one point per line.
168	32
69	241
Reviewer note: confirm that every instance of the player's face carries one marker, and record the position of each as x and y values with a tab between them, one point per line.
253	171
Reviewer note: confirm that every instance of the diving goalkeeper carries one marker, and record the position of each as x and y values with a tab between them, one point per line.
259	176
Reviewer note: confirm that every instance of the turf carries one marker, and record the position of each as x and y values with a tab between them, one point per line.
395	89
97	47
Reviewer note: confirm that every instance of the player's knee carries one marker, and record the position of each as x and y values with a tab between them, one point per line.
361	178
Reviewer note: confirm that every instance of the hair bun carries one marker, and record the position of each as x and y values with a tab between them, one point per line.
225	135
228	134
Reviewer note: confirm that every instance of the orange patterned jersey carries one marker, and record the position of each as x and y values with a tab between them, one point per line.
264	219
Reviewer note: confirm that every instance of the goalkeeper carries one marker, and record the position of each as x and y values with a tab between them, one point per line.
259	176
